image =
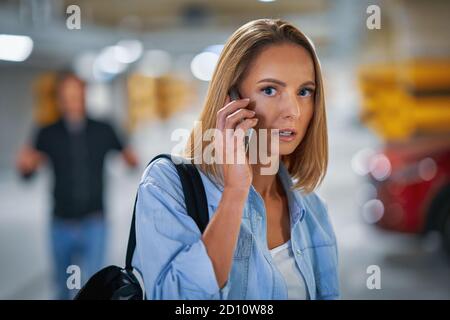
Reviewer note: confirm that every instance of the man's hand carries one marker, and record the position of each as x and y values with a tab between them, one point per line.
28	160
130	157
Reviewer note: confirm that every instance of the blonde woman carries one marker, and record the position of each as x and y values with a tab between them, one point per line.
269	235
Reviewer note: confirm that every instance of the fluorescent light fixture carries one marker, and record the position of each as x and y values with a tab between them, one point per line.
15	48
155	63
84	65
203	65
107	61
128	51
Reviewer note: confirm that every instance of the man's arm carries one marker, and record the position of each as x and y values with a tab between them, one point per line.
28	161
130	157
116	143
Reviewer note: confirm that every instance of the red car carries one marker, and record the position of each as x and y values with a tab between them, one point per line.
412	181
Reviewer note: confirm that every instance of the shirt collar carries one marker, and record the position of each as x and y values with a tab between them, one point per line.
296	205
74	127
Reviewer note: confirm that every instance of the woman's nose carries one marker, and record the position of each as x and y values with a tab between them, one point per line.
290	108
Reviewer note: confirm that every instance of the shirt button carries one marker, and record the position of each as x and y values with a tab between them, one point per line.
298	252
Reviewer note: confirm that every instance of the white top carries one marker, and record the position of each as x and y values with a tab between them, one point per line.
285	262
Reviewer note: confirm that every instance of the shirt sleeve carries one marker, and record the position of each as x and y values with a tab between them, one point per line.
170	254
40	140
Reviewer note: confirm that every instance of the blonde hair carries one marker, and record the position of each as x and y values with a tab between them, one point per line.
307	165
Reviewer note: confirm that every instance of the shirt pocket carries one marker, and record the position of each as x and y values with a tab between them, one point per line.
244	243
241	265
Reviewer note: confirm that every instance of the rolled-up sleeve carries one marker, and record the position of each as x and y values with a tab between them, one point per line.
170	254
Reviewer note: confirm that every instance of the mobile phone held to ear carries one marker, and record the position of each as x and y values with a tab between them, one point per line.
234	95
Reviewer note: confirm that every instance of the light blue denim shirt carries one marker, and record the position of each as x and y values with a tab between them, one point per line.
172	259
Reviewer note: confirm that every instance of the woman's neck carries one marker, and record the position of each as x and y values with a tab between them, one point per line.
267	185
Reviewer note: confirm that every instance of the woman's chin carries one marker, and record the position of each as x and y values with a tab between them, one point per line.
286	148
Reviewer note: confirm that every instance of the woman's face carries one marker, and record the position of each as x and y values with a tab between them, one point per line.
280	83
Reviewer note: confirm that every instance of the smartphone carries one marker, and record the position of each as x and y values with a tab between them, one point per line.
234	95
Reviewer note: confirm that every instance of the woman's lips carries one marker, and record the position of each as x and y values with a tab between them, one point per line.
287	134
287	138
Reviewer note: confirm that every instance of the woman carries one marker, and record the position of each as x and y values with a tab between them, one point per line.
269	235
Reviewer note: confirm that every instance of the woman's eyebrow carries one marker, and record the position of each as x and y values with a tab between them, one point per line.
281	83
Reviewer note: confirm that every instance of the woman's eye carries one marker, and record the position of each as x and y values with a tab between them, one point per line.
270	91
306	92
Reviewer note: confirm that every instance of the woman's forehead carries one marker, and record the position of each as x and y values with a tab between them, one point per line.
286	62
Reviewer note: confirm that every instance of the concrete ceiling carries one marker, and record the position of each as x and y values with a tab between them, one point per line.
179	26
157	14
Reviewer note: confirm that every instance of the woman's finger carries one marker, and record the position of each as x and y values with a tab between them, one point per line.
238	116
228	109
247	124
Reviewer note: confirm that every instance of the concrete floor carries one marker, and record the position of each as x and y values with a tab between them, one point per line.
410	268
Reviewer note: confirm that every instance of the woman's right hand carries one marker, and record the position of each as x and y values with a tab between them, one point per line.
230	119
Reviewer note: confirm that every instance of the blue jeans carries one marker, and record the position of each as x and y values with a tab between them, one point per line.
77	242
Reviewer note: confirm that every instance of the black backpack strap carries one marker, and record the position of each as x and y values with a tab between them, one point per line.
194	197
194	194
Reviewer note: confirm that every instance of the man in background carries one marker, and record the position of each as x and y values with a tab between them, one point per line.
75	147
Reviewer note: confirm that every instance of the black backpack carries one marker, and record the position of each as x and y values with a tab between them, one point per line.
116	283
